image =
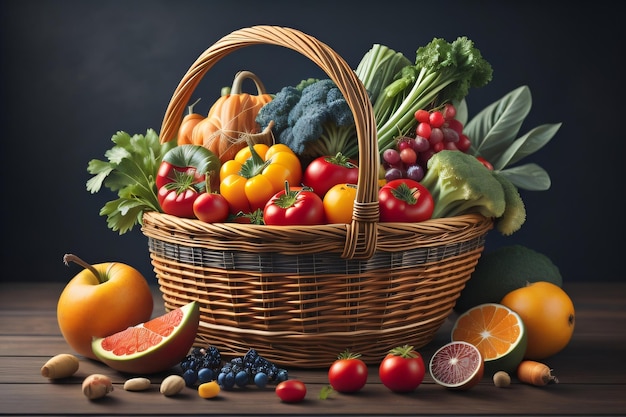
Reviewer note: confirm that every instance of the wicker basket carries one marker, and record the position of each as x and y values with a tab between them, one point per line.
301	295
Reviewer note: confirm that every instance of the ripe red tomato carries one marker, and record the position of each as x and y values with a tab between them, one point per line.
405	200
486	163
291	208
291	391
324	172
211	208
348	373
402	370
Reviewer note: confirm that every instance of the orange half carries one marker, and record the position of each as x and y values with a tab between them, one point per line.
497	331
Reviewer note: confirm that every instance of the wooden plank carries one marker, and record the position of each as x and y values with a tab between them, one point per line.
591	370
375	399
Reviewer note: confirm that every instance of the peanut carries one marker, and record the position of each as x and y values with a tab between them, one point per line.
172	385
62	365
137	384
501	379
97	386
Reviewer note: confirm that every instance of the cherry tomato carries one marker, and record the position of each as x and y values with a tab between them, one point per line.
402	370
405	200
339	203
325	171
291	391
211	208
348	373
486	163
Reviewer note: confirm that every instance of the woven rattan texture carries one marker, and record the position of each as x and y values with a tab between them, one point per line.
301	295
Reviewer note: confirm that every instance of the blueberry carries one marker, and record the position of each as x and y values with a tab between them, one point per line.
282	375
228	380
190	376
261	379
242	378
205	375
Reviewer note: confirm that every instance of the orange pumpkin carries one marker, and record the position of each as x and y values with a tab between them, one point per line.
231	119
188	124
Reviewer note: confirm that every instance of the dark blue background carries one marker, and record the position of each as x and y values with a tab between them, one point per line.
75	72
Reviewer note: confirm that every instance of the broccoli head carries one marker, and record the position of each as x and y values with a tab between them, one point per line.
312	118
461	184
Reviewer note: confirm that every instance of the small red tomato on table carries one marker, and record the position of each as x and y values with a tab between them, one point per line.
405	200
348	373
291	391
402	370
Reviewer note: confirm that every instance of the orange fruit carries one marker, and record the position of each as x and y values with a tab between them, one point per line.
154	346
99	304
497	331
548	314
457	365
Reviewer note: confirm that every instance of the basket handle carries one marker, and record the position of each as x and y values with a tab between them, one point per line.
361	234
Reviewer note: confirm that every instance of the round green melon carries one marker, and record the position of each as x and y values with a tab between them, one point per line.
154	346
503	270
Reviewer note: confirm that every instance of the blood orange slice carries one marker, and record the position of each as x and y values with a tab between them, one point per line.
497	331
154	346
457	365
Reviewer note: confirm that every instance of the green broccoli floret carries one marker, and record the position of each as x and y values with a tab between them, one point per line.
514	214
312	118
461	184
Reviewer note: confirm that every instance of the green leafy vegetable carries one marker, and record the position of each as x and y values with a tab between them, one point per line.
493	132
442	72
130	170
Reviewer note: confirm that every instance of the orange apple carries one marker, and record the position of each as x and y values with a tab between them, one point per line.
101	300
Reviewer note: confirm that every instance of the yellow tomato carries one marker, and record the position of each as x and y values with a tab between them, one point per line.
339	203
548	315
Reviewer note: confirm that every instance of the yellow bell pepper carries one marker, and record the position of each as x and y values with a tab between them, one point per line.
256	173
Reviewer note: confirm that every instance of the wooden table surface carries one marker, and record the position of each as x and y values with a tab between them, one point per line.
591	370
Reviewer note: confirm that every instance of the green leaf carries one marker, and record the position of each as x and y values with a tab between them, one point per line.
530	177
526	145
130	171
495	127
100	170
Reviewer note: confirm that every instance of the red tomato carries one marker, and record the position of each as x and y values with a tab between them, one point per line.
348	373
486	163
405	200
211	208
402	370
291	391
324	172
177	202
290	208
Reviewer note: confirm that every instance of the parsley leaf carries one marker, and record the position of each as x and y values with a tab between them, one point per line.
130	170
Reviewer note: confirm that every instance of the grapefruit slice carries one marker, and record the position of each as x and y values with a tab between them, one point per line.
154	346
497	331
457	365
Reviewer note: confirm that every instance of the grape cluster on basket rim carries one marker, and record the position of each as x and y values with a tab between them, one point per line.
437	129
